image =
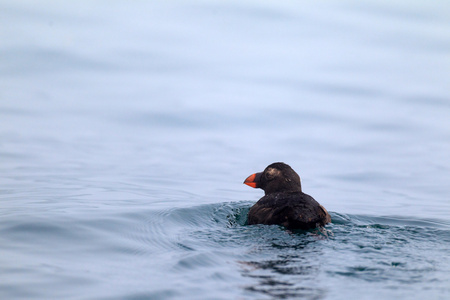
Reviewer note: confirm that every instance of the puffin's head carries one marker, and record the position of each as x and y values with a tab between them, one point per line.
277	177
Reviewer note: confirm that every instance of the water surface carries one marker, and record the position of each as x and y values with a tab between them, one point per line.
127	129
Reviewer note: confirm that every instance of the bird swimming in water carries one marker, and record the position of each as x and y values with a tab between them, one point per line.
284	203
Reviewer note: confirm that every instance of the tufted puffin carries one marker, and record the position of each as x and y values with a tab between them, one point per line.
284	203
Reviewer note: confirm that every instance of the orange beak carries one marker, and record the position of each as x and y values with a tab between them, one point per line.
253	180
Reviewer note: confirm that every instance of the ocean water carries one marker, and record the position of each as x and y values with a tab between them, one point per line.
127	129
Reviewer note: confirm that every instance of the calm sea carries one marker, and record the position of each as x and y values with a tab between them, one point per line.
128	127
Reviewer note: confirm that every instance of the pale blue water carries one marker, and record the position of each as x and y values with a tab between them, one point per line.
127	129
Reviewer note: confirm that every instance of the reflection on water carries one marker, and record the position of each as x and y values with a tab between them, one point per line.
288	276
291	273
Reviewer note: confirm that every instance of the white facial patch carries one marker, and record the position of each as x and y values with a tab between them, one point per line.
272	172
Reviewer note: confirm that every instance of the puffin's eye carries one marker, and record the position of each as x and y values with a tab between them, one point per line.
269	176
271	173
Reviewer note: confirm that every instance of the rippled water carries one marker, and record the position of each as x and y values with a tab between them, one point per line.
126	130
207	252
